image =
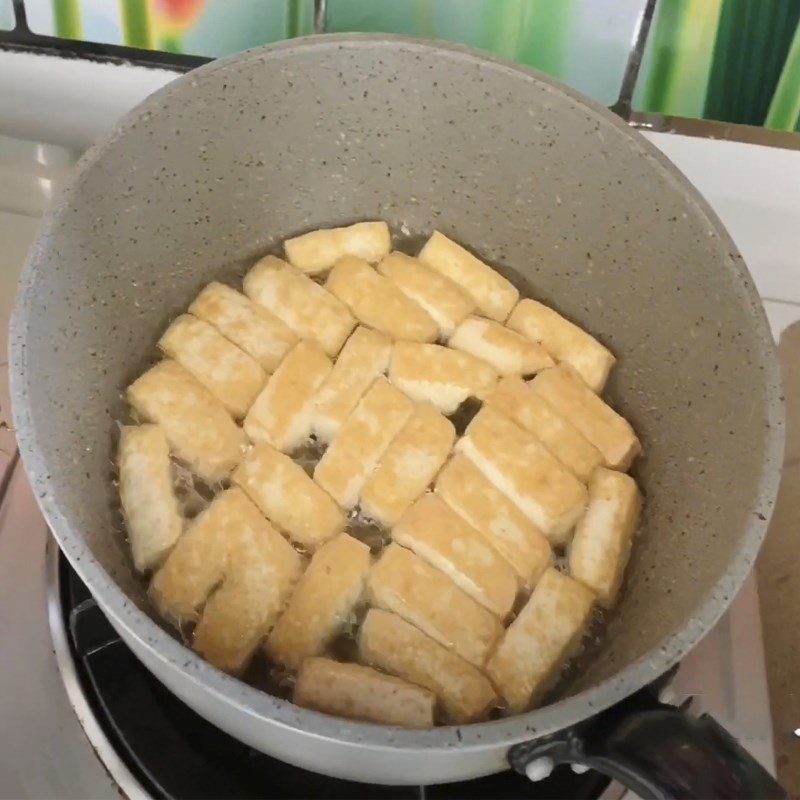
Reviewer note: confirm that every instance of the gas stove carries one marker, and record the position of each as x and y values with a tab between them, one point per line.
80	717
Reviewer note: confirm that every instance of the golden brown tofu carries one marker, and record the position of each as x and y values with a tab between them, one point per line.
232	376
408	466
493	294
403	583
360	442
388	642
602	543
283	413
306	307
540	640
364	356
514	398
288	497
356	692
152	516
252	328
318	251
435	374
524	470
446	302
322	603
470	494
200	432
564	340
507	351
377	302
230	546
610	433
432	530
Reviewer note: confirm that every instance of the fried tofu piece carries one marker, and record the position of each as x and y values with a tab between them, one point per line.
602	543
435	374
471	495
232	546
200	432
447	304
540	640
322	603
522	468
152	516
361	441
319	250
284	411
364	356
408	466
507	351
306	307
388	642
288	497
515	398
363	693
403	583
377	302
249	326
232	376
610	433
564	340
494	295
432	530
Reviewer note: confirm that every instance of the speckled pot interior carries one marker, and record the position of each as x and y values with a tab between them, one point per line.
576	209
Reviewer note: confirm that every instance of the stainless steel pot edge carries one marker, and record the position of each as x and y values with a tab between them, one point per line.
253	702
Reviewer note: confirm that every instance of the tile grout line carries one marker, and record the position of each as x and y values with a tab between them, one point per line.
795	303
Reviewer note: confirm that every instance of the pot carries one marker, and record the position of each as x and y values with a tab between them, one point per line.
578	210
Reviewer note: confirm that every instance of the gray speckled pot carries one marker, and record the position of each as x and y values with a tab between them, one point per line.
583	213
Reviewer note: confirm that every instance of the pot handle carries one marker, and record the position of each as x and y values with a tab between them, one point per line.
660	752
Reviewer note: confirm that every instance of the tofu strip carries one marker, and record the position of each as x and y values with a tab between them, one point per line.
200	432
514	398
322	603
524	470
403	583
283	413
435	374
390	643
306	307
610	433
432	530
288	497
564	340
493	294
446	303
232	546
232	376
252	328
364	356
152	515
318	251
377	302
362	439
357	692
408	466
473	497
540	640
507	351
602	543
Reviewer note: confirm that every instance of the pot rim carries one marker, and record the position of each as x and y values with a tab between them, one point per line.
250	701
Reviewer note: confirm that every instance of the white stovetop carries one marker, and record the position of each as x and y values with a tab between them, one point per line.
753	189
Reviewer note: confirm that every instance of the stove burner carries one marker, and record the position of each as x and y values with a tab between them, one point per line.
174	753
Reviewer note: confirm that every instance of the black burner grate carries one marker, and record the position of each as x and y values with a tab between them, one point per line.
175	753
